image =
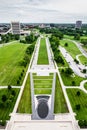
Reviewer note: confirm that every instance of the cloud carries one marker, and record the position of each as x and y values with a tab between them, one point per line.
43	10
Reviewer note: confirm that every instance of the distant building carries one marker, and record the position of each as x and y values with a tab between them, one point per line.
78	24
15	26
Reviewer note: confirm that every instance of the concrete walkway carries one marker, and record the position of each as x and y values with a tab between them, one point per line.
3	87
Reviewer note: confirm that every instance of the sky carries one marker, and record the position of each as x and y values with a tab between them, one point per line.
43	11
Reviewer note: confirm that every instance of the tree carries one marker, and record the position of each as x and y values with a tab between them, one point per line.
16	36
9	87
73	83
84	70
4	98
68	71
77	36
82	123
3	122
78	107
66	44
75	60
78	93
13	92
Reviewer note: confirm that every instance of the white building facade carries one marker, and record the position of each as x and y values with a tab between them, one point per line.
15	26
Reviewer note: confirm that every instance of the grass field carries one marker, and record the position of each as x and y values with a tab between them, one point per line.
10	56
85	85
68	37
5	111
60	105
43	84
42	55
82	100
83	60
71	48
68	80
25	102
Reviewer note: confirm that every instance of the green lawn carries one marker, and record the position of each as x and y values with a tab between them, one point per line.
83	59
6	110
42	91
43	84
43	55
83	37
25	102
68	80
82	100
10	56
60	105
68	37
85	85
71	48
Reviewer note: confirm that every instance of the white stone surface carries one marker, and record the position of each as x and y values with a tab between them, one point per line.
43	125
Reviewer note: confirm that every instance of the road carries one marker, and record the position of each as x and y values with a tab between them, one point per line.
77	68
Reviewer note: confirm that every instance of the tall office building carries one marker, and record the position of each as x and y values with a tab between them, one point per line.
15	26
78	24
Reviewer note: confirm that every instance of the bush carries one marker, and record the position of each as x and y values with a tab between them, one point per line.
82	123
19	77
4	98
13	92
21	73
18	82
78	107
84	70
78	93
62	71
3	122
68	71
75	60
73	83
9	87
8	102
66	44
22	41
23	70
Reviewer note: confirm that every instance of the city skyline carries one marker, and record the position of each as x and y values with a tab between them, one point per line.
42	11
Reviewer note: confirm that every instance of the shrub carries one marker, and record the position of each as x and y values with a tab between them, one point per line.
78	107
84	70
3	122
82	123
9	87
21	73
66	44
19	77
18	82
73	83
78	93
62	71
4	98
13	92
23	70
